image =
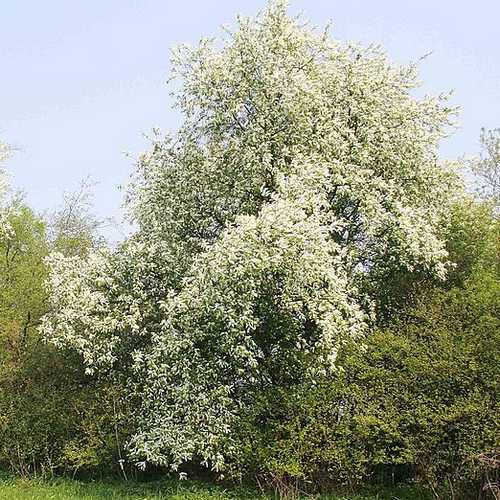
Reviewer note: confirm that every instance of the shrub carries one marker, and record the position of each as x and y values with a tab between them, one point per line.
416	401
52	416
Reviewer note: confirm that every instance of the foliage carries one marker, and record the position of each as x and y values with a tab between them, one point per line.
305	173
52	417
22	274
472	240
53	420
418	400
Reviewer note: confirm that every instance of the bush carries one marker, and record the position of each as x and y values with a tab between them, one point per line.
52	417
418	401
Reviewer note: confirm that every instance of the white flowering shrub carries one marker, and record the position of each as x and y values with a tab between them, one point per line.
303	170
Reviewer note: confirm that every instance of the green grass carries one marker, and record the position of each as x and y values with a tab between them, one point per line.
67	489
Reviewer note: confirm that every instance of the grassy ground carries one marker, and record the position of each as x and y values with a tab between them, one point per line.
66	489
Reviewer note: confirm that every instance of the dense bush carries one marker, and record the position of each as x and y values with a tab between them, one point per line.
418	400
53	419
52	416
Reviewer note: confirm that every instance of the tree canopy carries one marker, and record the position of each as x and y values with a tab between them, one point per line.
305	174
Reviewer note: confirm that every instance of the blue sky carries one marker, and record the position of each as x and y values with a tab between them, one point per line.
82	80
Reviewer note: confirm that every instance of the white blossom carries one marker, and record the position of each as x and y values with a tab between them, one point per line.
304	168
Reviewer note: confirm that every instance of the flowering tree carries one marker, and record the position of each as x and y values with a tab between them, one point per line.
304	173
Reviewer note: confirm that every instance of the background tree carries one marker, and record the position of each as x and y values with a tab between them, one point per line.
4	154
487	167
74	228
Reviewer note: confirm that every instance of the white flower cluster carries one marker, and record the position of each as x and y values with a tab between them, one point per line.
303	169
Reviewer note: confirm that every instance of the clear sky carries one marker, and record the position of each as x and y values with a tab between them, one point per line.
81	81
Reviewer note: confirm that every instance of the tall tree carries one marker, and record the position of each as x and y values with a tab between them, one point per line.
305	172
